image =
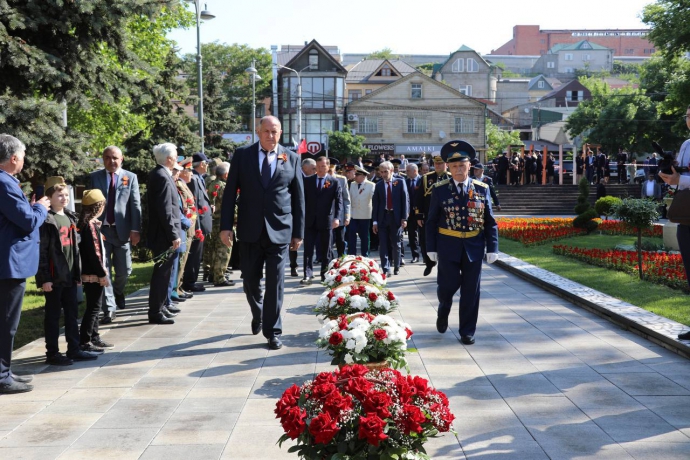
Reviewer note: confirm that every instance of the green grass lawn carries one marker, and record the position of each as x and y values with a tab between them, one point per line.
662	300
31	322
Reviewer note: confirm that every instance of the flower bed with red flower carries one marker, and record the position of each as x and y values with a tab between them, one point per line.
354	298
617	227
657	267
351	270
536	231
365	338
355	413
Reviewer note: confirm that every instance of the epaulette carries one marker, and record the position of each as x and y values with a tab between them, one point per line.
336	175
365	180
443	182
430	172
480	183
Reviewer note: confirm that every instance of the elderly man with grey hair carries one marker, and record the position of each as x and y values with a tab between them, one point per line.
165	230
20	221
308	167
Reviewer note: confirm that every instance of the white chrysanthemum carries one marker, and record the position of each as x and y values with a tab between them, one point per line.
349	359
360	345
327	329
350	344
378	302
383	319
359	324
386	305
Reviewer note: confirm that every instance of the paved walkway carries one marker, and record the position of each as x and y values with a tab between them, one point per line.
545	380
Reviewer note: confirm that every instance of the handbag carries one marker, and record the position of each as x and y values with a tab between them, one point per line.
679	211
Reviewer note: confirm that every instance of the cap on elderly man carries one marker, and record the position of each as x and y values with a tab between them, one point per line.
457	150
92	197
186	163
199	157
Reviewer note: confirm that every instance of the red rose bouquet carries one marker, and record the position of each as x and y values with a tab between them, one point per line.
354	298
355	413
365	338
349	269
348	261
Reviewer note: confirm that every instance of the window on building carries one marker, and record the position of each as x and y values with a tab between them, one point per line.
317	92
416	125
416	91
464	125
574	96
355	94
367	91
629	51
384	72
466	90
586	57
649	51
551	65
540	84
459	65
314	59
569	56
369	125
472	65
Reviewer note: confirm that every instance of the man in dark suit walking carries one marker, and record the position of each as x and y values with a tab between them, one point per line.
391	210
270	220
414	184
204	222
323	202
165	228
121	225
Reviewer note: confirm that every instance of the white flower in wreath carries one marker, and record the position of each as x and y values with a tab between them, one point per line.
360	345
386	305
358	302
327	329
350	344
349	359
359	324
378	302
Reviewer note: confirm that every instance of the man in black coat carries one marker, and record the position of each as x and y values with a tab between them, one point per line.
414	187
164	230
478	170
323	201
503	165
270	220
204	222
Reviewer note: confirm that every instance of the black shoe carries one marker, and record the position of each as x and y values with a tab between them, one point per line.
172	309
58	359
256	327
108	318
428	268
177	299
184	294
293	272
467	339
402	263
100	343
205	277
120	301
167	313
414	260
92	349
396	271
225	283
82	356
306	280
195	288
22	378
684	336
441	324
274	343
15	387
161	319
210	278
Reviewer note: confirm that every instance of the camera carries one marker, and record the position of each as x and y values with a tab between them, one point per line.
667	160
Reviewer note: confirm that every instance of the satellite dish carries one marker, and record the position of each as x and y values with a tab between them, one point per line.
441	135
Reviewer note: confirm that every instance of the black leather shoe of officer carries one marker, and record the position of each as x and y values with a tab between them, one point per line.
467	339
428	268
293	272
120	301
441	324
160	318
274	343
402	263
194	288
256	327
172	309
168	313
396	271
108	318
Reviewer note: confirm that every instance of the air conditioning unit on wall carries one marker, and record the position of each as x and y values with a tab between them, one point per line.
352	117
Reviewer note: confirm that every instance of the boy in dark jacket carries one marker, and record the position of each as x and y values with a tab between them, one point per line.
59	275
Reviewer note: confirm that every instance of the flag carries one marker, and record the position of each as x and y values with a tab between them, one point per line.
302	147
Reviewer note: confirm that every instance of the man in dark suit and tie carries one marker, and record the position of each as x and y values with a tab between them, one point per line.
323	202
204	222
121	225
391	210
164	229
414	183
270	220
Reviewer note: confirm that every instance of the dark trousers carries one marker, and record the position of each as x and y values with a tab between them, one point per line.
266	307
358	227
339	238
191	268
89	323
464	275
422	246
235	254
683	235
11	298
413	237
312	238
160	283
293	260
59	299
389	236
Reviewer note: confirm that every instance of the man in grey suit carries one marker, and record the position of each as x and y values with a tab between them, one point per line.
270	220
121	224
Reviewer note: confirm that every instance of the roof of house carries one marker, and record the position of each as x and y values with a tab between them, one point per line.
326	51
364	69
464	48
574	83
581	45
533	82
287	52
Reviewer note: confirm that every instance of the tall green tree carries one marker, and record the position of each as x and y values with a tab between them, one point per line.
385	53
219	117
343	144
497	140
670	25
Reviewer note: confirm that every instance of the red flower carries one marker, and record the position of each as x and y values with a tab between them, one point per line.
371	429
336	264
383	276
354	291
412	418
323	428
331	294
390	295
342	324
380	334
338	278
358	387
293	422
373	296
335	403
322	391
336	339
217	186
409	333
352	371
343	272
377	402
365	279
190	201
215	194
289	399
341	301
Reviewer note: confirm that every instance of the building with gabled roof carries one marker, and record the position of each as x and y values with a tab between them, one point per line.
369	75
469	73
565	58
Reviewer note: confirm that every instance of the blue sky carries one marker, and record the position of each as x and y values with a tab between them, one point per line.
405	26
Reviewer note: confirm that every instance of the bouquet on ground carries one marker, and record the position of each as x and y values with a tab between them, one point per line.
364	338
355	413
355	298
350	261
353	268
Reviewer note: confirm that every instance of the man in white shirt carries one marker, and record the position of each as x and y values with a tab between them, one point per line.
361	194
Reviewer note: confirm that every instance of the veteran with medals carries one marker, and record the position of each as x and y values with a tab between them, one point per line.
460	227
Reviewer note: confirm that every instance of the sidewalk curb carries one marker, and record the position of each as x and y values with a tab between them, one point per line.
625	315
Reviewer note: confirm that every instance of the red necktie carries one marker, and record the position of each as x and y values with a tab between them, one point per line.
389	198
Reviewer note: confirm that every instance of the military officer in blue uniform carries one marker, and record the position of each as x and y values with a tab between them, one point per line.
460	226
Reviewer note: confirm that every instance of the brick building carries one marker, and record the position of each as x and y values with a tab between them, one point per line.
532	40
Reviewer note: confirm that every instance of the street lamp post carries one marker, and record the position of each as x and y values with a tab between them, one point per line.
254	73
207	16
299	97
